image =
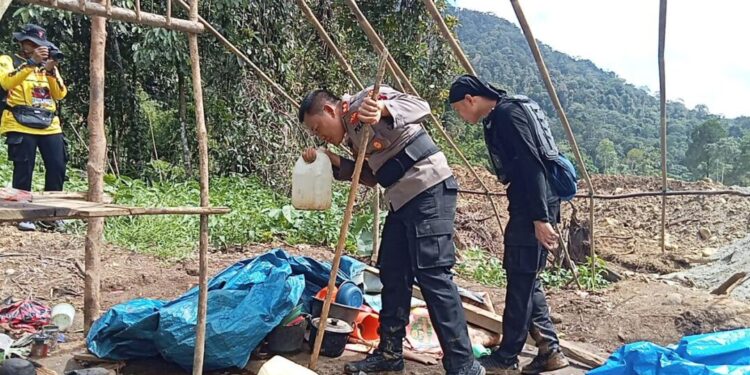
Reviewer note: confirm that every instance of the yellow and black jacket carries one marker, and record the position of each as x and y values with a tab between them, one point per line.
31	86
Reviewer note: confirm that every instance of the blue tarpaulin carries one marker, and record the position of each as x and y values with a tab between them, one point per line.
725	353
245	302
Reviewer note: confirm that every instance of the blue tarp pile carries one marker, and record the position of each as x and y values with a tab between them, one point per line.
725	353
245	302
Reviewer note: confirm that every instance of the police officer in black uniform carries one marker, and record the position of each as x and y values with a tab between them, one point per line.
534	208
418	233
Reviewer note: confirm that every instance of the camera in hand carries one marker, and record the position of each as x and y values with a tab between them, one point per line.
55	53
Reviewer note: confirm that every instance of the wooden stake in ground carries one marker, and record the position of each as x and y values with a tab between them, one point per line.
200	123
399	74
95	170
347	220
561	113
663	107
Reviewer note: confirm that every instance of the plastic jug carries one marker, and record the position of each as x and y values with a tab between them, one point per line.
279	365
312	183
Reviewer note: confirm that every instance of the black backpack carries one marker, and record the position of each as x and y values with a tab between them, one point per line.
560	171
17	62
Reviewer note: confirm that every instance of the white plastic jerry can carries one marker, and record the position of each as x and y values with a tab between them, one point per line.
279	365
312	183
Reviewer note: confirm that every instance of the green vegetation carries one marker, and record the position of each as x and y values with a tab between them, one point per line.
616	124
485	269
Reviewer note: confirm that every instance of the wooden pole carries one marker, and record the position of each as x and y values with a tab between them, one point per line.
138	15
329	43
244	57
446	32
394	67
120	14
200	122
4	4
362	150
375	226
353	76
663	106
561	113
169	12
639	194
95	170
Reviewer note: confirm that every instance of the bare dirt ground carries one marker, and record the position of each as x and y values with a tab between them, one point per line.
627	231
48	267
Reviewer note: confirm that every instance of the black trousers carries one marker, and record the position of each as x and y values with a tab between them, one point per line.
418	243
22	152
526	312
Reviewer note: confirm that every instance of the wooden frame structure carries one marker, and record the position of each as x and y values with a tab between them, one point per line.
94	209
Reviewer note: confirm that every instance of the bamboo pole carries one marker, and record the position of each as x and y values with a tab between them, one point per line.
231	47
95	170
560	112
353	76
446	32
633	195
120	14
380	46
663	107
4	4
362	150
200	122
169	12
138	15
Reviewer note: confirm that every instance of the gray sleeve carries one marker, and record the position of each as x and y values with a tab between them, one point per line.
405	109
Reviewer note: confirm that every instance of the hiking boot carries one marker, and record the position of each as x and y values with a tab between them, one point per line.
495	365
26	226
473	369
550	361
377	362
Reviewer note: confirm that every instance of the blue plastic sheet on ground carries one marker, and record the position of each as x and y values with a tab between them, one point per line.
725	353
245	302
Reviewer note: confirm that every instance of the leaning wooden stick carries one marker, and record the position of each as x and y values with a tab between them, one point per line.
347	219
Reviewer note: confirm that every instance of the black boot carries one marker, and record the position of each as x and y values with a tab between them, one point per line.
388	357
472	369
496	365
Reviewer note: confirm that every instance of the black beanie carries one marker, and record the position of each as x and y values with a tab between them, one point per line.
468	84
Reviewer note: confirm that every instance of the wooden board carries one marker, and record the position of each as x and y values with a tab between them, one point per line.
68	208
494	323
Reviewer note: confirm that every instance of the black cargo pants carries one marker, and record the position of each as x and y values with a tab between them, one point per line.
22	152
418	243
526	310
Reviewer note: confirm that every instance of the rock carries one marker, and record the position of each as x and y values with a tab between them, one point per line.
629	273
671	247
637	225
618	190
10	272
708	252
674	299
556	318
611	222
704	233
191	271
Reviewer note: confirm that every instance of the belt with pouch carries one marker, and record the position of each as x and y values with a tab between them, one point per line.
420	147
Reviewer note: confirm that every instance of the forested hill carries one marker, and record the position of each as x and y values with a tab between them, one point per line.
616	123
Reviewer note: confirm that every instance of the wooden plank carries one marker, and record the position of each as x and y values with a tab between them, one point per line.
494	323
55	208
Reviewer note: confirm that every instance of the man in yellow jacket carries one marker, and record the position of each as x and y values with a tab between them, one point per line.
30	86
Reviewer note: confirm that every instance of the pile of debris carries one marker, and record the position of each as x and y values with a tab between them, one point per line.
627	230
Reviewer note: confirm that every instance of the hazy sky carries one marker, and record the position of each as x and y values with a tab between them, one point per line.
707	43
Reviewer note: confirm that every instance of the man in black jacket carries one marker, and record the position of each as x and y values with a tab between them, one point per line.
534	209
